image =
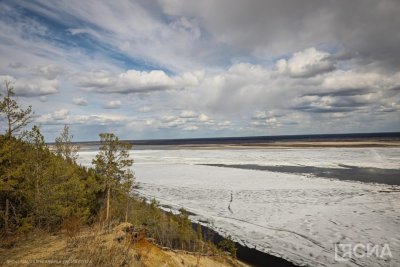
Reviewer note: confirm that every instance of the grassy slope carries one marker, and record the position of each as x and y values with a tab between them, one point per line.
93	247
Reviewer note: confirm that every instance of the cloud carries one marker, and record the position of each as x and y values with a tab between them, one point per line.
203	118
49	72
144	109
350	79
36	87
87	31
60	114
80	101
225	123
241	87
63	116
145	37
191	128
264	115
269	119
7	78
188	114
186	120
32	87
16	65
53	118
134	81
245	87
331	104
238	67
149	122
341	92
113	104
171	121
277	27
307	63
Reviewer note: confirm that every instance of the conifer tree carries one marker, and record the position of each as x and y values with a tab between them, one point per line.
64	146
112	163
16	119
36	166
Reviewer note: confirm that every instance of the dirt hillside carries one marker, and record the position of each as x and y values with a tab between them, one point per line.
93	247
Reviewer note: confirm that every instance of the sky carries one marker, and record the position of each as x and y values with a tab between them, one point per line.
150	69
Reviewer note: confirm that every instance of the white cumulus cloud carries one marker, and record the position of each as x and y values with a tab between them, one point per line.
307	63
32	87
203	118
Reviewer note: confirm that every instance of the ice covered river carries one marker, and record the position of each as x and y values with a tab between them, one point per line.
297	204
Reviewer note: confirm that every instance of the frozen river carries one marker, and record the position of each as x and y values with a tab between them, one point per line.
281	209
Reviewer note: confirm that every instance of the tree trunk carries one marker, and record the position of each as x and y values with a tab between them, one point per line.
8	111
6	215
38	205
108	204
126	211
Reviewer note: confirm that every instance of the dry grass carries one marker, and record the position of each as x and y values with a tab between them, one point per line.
97	246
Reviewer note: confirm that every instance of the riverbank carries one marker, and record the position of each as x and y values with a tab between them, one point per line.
245	254
352	140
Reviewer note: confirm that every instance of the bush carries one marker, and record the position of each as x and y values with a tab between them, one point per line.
228	245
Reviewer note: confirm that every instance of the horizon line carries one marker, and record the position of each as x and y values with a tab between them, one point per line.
288	136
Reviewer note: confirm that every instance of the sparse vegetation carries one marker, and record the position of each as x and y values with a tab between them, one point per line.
228	245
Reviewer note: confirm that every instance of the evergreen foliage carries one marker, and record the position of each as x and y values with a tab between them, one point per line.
228	245
16	117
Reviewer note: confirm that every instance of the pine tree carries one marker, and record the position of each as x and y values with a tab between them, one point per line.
227	244
36	166
112	163
55	188
16	119
64	146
